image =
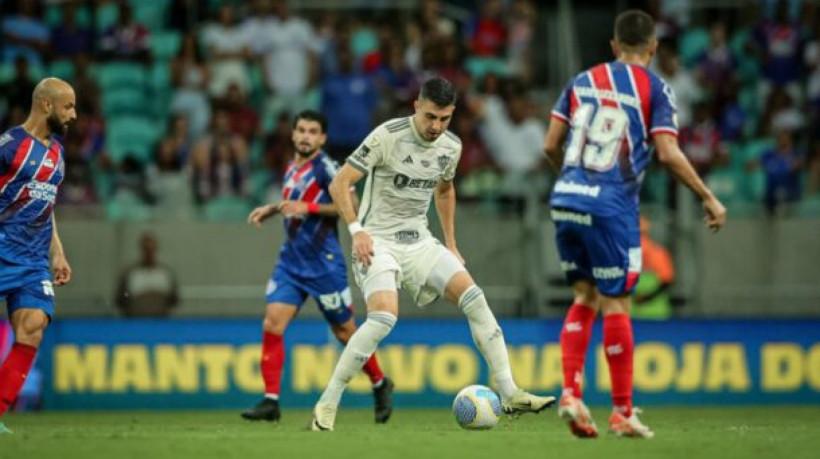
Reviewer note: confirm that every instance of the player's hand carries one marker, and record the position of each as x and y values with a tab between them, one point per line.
60	270
363	248
715	213
260	214
458	255
293	208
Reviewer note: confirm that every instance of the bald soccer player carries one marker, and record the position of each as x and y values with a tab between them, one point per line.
32	260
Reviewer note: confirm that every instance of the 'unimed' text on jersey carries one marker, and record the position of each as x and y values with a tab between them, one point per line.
613	110
30	173
402	171
311	247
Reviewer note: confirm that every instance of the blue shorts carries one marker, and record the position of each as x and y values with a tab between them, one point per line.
26	287
331	293
605	250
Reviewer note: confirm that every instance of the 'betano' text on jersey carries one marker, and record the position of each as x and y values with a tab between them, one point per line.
30	173
311	247
612	109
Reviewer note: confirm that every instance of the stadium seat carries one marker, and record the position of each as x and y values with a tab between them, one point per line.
150	14
226	209
693	43
120	74
132	135
124	206
363	42
477	67
124	101
62	68
165	44
107	15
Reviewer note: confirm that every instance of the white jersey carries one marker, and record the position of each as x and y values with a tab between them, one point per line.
402	171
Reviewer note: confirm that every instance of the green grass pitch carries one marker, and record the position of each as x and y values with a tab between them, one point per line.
681	432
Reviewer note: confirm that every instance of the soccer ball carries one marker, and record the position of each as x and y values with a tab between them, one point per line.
477	408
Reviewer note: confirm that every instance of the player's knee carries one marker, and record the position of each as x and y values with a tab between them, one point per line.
273	324
30	330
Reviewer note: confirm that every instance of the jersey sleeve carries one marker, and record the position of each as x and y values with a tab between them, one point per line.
7	150
561	110
371	152
325	173
449	172
664	118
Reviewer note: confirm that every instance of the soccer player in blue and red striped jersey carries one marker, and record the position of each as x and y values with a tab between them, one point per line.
32	260
311	263
605	127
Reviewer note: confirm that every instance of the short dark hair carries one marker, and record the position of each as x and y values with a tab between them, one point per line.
634	28
438	91
311	115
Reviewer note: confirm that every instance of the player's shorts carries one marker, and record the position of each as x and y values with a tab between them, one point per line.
331	293
606	250
26	287
412	265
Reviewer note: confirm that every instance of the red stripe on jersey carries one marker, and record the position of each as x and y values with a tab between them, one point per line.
644	87
573	102
312	190
307	167
17	163
600	79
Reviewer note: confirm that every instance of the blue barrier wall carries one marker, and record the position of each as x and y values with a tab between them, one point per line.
112	364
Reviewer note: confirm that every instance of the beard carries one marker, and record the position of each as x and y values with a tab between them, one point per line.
305	151
56	126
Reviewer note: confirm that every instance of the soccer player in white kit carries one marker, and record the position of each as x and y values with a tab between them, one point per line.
407	162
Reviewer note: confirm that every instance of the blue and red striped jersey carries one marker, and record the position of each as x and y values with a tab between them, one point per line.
311	247
30	173
613	109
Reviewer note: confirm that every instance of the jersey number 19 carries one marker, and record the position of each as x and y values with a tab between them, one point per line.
596	140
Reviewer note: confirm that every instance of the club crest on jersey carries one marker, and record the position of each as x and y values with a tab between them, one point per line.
443	162
48	163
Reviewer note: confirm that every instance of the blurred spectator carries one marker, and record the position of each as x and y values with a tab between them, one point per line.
666	27
433	22
279	148
168	181
244	118
177	141
86	85
678	78
716	66
487	35
289	48
189	77
130	181
78	181
185	16
348	100
782	166
25	34
733	116
127	39
781	113
412	52
398	85
474	154
657	274
17	91
522	17
220	162
227	44
69	39
779	46
451	66
148	288
512	133
701	142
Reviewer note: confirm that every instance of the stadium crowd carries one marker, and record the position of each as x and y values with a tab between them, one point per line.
185	105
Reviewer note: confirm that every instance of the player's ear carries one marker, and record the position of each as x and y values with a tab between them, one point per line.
615	48
416	105
653	48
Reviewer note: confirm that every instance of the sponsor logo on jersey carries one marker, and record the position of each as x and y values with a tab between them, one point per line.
610	272
406	236
564	216
42	190
577	188
402	181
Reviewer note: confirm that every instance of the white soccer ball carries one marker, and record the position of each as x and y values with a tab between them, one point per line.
477	407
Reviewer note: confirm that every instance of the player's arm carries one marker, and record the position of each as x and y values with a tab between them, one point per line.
554	142
59	265
671	156
445	199
345	203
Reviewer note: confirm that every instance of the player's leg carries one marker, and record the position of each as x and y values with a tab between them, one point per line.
283	299
382	385
615	255
380	288
28	325
449	277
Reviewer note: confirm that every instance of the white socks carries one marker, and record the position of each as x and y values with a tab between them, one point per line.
356	352
488	338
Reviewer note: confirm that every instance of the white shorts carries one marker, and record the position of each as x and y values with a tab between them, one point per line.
412	266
